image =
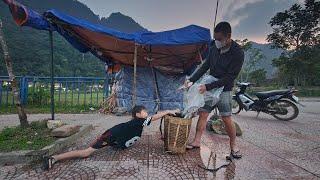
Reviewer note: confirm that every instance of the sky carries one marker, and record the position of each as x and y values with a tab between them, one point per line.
248	18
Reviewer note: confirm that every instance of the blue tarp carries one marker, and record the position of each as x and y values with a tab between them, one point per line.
170	98
187	35
173	52
177	49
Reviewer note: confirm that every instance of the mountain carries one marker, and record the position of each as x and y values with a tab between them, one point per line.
77	9
29	48
121	22
269	54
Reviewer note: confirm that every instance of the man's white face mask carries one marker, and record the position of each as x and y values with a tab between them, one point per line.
220	44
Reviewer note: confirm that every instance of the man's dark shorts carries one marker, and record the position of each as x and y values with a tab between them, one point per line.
104	140
224	105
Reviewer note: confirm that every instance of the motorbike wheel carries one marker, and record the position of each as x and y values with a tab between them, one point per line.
235	107
283	109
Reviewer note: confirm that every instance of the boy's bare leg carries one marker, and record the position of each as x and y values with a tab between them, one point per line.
74	154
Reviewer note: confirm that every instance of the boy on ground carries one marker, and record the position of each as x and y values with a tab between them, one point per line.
122	135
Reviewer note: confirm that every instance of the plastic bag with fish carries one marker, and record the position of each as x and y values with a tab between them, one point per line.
193	100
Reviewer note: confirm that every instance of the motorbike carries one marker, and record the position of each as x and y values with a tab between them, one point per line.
280	104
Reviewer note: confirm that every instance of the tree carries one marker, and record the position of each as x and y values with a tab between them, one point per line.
21	113
258	76
297	30
252	57
296	27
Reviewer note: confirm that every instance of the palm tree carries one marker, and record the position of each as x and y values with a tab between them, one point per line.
12	78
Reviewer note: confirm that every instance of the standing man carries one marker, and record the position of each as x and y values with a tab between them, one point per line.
225	60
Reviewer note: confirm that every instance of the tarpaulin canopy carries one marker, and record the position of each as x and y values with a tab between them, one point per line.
174	51
157	55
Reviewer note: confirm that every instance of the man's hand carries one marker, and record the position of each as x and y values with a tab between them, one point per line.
202	88
188	83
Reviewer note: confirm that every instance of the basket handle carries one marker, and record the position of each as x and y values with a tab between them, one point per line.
160	127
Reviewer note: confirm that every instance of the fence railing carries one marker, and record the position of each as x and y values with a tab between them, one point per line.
68	91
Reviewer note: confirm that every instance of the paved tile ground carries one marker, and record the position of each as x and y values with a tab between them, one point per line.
272	149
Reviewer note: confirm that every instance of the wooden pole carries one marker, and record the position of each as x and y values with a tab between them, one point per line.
134	100
16	95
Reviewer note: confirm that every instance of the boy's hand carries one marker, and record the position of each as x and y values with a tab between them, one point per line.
173	112
163	113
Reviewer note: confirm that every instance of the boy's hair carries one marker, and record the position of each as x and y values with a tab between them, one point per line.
223	27
137	109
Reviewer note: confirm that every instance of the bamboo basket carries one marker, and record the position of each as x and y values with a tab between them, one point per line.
176	133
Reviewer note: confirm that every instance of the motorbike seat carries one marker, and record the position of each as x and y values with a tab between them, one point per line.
266	94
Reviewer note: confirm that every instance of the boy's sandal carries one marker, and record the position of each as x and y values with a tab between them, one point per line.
190	147
234	155
48	162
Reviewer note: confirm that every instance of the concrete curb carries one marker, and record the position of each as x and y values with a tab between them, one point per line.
309	99
17	157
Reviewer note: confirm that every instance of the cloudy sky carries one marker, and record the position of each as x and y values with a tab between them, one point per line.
249	18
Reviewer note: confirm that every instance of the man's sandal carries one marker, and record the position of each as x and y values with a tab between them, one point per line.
48	162
190	147
234	155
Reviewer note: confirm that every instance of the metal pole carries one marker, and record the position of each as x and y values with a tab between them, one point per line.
135	75
52	76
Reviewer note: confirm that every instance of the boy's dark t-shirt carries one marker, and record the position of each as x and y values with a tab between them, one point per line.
126	134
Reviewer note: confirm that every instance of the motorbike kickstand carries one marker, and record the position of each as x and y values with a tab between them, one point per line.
258	114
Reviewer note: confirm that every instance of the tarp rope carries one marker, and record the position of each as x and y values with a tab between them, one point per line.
154	77
157	108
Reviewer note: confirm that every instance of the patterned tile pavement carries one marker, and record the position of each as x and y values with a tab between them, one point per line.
272	150
146	160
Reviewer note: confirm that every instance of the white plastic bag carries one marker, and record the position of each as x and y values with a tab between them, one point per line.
193	100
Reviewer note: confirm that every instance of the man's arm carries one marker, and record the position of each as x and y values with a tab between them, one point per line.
160	114
200	71
231	75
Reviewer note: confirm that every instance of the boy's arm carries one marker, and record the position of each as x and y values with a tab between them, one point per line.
160	114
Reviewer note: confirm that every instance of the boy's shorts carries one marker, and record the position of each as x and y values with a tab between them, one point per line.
104	140
224	105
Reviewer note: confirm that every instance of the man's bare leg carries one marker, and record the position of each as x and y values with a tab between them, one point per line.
74	154
201	125
231	131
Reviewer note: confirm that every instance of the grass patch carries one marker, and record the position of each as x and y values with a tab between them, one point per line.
33	109
63	99
17	138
